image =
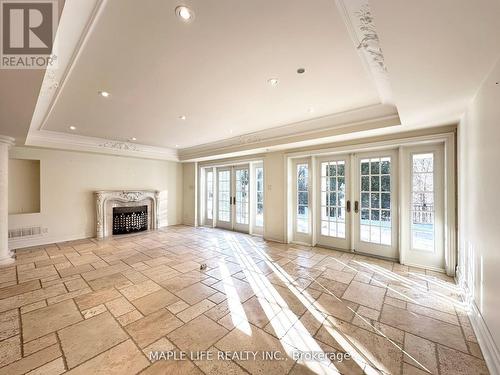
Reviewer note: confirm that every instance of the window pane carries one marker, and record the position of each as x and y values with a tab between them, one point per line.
422	203
302	219
375	199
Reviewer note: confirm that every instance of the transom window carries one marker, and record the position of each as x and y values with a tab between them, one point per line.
376	200
422	203
333	190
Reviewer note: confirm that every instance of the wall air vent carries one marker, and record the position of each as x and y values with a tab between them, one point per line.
25	232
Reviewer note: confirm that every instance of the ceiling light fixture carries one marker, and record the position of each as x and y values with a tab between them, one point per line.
273	81
182	117
301	71
72	127
133	139
104	94
184	13
310	110
177	146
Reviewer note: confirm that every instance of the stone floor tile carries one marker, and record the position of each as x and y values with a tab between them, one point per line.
92	299
150	328
423	352
154	301
54	367
184	367
49	319
19	289
10	350
119	306
260	341
93	311
366	295
431	329
9	324
32	362
39	344
134	292
198	334
195	293
116	280
122	359
453	362
195	310
90	337
177	307
129	317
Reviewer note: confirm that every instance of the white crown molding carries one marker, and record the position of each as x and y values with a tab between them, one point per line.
73	142
491	353
367	118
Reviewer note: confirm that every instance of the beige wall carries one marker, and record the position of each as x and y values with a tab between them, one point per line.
24	186
189	189
274	196
67	182
479	201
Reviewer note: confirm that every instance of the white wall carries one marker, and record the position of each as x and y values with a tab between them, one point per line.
67	182
479	201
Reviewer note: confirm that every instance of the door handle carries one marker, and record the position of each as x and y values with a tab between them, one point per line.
356	206
348	206
234	201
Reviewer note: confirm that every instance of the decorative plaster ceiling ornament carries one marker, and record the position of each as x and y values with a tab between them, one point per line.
370	42
124	146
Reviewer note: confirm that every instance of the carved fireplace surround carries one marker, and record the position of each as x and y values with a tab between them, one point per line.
107	199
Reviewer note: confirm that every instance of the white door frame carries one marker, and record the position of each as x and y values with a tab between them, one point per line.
322	240
218	222
301	237
434	259
387	251
240	227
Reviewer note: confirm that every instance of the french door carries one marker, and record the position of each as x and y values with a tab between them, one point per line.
233	197
376	203
334	204
356	208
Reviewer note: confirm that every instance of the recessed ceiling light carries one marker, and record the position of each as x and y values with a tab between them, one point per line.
176	146
273	81
182	117
230	131
184	13
133	139
104	94
72	127
301	70
310	110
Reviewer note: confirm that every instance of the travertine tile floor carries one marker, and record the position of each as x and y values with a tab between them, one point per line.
102	307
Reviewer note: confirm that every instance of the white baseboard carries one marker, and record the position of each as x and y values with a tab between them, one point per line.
20	243
491	353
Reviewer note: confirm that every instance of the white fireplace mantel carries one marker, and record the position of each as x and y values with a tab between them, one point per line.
107	199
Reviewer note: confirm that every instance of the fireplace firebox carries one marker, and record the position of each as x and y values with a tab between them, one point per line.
130	219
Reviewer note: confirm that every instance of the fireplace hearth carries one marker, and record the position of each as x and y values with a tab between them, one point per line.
130	219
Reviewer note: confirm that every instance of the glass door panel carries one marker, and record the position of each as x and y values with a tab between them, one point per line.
241	176
375	201
224	198
333	203
209	182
